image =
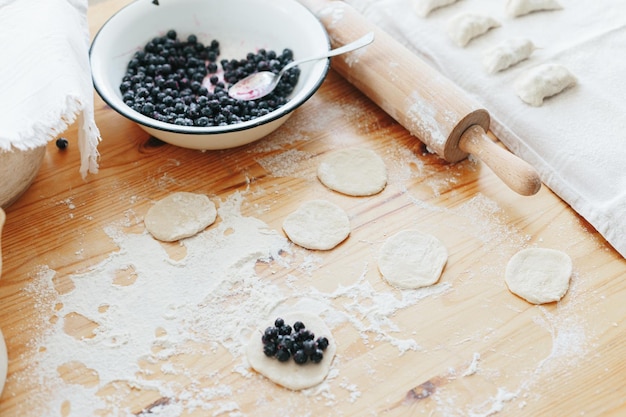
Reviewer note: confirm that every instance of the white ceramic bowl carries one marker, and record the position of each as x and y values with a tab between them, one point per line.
241	26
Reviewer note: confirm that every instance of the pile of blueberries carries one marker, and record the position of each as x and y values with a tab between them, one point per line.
284	342
164	81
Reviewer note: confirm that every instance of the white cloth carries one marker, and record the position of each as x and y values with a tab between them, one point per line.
45	78
577	139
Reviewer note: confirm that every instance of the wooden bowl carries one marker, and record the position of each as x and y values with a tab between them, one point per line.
17	171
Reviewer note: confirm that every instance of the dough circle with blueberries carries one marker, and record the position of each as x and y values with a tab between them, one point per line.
353	171
318	225
180	215
411	259
539	275
289	374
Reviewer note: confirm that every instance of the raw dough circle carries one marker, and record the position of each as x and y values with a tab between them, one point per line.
412	259
289	374
539	275
317	224
180	215
354	171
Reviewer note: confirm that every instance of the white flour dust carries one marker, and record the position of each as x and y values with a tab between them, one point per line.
494	404
156	302
473	366
140	310
287	164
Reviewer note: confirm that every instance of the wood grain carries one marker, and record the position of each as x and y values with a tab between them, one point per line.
559	359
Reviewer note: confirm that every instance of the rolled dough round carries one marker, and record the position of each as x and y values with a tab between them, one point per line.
353	171
180	215
539	275
289	374
412	259
317	224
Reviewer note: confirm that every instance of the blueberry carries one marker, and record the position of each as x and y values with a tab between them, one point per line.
287	55
283	355
129	96
211	56
322	343
300	357
263	66
125	86
271	333
308	346
286	342
317	356
297	326
304	335
166	69
147	109
269	350
220	119
202	121
179	107
284	330
195	86
62	143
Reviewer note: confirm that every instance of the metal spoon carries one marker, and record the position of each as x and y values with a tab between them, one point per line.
262	83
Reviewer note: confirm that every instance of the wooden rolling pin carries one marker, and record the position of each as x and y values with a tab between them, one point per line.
422	100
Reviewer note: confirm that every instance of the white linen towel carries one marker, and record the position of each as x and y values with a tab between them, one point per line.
45	78
577	139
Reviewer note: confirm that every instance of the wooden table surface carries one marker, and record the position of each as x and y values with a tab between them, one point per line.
466	347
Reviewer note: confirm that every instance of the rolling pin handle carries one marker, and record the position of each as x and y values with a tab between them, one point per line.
513	171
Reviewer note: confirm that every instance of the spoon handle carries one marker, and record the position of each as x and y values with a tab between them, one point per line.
359	43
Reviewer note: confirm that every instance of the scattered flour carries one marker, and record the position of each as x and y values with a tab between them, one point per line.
286	164
569	338
423	117
152	318
142	310
211	299
370	311
473	367
333	14
494	404
208	302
